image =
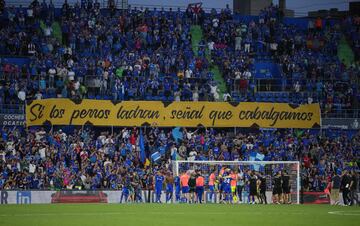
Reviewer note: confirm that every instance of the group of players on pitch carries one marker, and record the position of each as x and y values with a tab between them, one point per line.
228	184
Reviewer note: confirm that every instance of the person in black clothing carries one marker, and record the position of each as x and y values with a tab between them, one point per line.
345	187
285	187
277	188
263	189
335	188
253	185
353	188
149	185
192	187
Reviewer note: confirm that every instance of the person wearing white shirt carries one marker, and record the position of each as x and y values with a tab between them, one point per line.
227	97
63	135
22	95
52	72
215	22
38	95
192	155
48	31
310	100
39	135
195	96
71	75
125	134
177	96
31	49
188	73
238	41
247	74
30	12
77	85
70	63
211	46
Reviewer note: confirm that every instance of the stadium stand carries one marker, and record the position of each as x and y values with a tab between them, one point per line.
56	159
147	54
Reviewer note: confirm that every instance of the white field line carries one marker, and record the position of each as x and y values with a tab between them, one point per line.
345	213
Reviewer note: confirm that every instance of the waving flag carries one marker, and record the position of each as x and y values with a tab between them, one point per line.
255	156
177	134
156	156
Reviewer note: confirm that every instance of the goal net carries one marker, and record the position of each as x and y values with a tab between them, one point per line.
268	172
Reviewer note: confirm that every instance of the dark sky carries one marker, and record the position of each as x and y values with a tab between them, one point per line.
301	7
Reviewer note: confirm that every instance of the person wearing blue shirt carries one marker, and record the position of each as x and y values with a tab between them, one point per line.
177	188
125	190
159	180
169	187
226	187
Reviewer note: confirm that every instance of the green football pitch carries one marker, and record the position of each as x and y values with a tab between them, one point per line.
176	214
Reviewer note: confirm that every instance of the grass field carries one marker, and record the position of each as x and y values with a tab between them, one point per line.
177	214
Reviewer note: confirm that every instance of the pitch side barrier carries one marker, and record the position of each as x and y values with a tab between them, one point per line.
99	196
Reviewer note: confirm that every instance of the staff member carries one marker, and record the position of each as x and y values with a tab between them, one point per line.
345	186
253	187
286	187
335	188
184	182
192	187
212	179
353	188
277	187
263	189
200	187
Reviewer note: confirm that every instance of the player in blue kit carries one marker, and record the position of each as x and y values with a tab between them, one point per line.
159	181
212	180
169	187
226	184
177	188
125	189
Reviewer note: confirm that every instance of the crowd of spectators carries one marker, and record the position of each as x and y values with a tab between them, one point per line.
308	57
135	54
40	159
146	54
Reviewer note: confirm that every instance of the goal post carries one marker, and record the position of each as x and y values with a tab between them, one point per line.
266	168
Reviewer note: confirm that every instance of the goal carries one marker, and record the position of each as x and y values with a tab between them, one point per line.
267	169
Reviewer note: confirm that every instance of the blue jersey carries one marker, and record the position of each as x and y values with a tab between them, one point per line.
159	180
177	181
226	183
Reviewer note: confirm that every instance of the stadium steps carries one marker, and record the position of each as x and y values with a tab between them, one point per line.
197	35
345	52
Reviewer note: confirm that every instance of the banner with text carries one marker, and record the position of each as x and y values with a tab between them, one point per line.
185	114
12	119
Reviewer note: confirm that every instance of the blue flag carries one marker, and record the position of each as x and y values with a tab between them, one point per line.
177	134
255	156
142	147
156	156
